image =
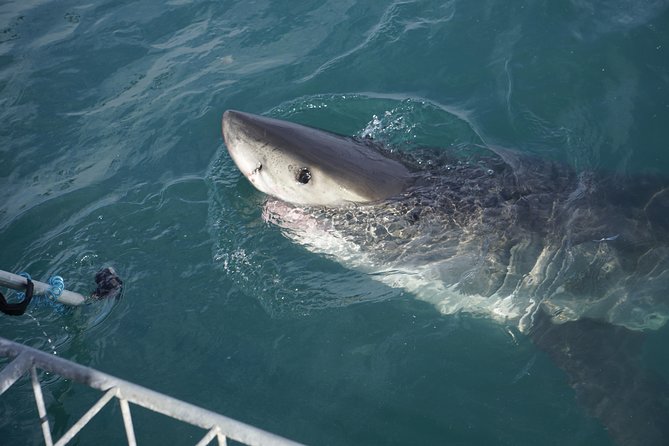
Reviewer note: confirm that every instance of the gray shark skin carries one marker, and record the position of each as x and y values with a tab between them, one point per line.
577	261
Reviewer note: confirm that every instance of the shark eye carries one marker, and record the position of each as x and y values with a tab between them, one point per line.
303	175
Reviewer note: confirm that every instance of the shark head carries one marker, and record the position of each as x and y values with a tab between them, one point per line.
306	166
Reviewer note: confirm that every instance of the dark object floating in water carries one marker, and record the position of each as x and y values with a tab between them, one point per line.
109	284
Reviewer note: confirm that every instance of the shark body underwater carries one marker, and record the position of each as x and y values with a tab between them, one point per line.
577	261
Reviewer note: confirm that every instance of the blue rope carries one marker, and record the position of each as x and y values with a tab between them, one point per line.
57	286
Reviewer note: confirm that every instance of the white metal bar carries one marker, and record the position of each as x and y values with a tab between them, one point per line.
208	437
222	440
16	282
127	422
146	398
88	416
41	408
15	370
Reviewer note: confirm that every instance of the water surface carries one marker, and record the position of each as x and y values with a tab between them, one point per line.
111	154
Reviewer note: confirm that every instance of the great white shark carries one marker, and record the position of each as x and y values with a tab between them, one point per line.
577	261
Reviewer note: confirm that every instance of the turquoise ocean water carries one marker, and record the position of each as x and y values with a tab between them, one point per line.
111	154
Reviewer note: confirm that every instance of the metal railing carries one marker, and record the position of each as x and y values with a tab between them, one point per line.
27	360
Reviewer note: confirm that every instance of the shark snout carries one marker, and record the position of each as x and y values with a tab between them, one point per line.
243	152
229	118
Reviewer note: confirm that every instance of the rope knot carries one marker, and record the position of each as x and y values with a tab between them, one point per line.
56	289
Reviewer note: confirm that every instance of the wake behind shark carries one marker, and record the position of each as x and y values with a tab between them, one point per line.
521	240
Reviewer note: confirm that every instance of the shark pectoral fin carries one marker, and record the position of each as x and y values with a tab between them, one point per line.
603	366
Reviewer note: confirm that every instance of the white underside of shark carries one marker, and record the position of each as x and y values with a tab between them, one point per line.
436	281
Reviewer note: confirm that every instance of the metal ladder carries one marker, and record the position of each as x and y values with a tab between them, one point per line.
27	360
